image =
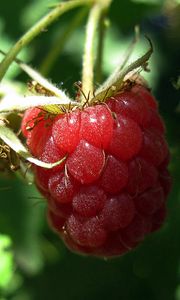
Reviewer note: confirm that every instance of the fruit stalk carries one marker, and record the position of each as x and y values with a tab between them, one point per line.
100	48
89	55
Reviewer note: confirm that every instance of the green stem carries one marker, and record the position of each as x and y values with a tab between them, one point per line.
88	58
100	48
37	29
60	42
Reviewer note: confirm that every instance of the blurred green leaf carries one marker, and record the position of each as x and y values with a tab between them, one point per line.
5	44
156	2
6	261
34	10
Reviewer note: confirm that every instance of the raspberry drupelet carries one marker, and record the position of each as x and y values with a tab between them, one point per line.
111	190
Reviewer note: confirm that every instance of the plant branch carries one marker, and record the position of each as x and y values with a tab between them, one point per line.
37	29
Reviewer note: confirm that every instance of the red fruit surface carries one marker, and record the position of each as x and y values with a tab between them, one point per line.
62	187
55	221
130	105
134	232
114	176
150	201
89	201
65	131
31	117
111	190
117	212
126	139
88	232
144	94
155	121
154	148
142	175
86	162
97	126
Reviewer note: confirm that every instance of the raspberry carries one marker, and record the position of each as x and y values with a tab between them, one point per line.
69	126
134	232
111	190
117	212
128	104
154	148
62	187
30	118
55	221
142	175
150	201
126	139
96	126
86	162
114	176
88	232
144	94
89	201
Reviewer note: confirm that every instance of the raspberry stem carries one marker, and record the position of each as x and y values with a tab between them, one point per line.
100	48
37	29
89	55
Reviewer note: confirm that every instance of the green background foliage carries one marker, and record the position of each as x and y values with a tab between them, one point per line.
40	267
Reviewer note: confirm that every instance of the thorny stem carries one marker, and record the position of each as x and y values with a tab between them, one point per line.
88	58
60	42
39	27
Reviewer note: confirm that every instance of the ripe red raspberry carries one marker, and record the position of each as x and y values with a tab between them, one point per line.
111	190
